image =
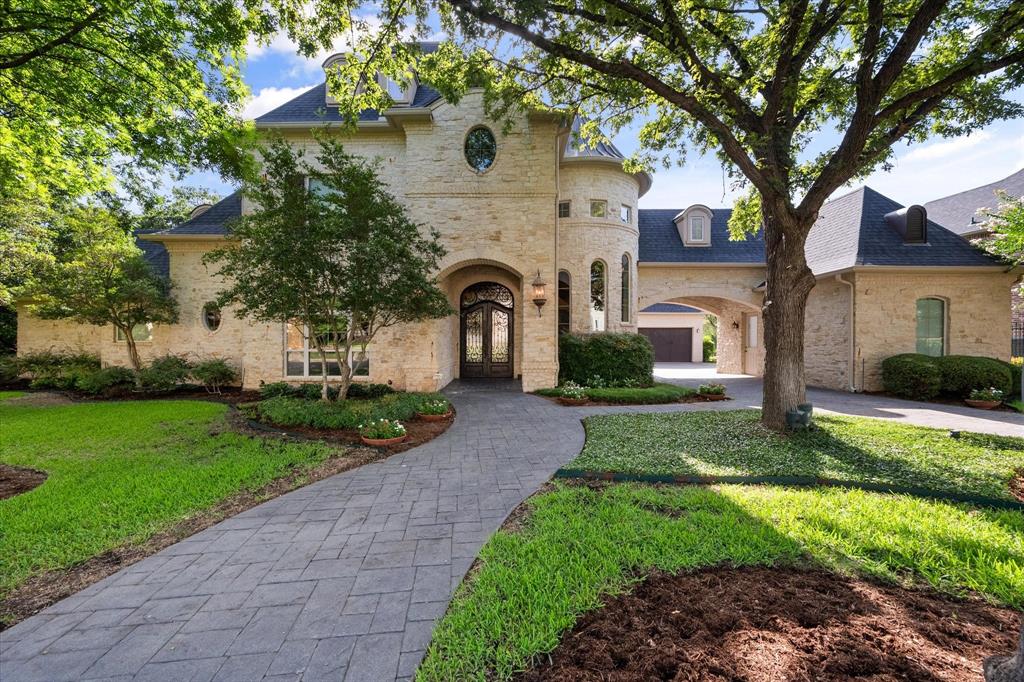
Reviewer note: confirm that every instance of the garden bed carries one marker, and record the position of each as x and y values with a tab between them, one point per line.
658	394
779	623
418	432
18	480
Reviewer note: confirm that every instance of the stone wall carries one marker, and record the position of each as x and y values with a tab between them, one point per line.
978	314
827	335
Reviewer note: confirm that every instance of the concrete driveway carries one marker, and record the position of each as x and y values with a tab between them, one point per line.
746	392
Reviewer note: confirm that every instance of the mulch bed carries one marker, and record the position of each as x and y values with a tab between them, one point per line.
604	403
17	480
417	430
760	624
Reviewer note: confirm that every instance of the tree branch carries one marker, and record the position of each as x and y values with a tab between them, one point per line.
66	37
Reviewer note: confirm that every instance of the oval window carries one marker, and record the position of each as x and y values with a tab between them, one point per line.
211	317
481	149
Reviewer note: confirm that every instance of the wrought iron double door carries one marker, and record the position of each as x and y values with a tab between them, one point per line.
487	338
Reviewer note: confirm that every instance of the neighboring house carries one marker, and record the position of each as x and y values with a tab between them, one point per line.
964	213
535	209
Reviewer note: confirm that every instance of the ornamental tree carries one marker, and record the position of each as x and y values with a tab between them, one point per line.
104	279
753	81
329	249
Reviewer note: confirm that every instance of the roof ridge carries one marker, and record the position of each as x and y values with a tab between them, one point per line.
979	187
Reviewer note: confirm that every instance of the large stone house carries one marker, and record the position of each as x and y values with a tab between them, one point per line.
532	215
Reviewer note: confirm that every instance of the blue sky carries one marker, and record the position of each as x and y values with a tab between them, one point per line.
276	73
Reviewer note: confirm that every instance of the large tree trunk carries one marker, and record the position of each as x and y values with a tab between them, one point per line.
789	282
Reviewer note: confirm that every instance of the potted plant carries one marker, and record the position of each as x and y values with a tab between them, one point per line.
985	398
572	394
435	410
382	432
711	391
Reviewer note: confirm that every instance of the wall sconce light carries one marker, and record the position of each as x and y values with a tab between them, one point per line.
735	325
539	293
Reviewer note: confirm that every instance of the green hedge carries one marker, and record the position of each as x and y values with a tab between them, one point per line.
961	374
922	377
606	359
346	414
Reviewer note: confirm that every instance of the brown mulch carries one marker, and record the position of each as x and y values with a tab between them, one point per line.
48	588
417	431
17	480
1017	485
760	624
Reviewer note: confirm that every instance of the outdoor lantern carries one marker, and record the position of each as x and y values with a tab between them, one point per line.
539	294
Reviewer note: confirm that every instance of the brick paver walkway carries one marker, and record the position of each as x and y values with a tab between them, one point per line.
340	580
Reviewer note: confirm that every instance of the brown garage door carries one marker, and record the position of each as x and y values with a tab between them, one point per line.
670	345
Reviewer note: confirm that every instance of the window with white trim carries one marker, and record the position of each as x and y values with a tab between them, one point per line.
140	332
697	228
302	360
626	214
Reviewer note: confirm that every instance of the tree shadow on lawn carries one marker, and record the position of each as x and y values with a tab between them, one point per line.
734	443
583	544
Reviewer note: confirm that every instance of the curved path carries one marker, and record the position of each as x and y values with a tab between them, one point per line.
342	579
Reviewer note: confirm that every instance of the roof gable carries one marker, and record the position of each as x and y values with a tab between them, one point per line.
212	221
660	241
959	212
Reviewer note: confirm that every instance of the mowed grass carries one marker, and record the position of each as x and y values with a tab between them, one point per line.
581	545
4	395
735	443
119	472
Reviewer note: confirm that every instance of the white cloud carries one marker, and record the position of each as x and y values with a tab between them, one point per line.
946	149
270	98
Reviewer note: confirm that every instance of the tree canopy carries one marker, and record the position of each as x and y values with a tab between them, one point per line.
330	250
91	90
753	81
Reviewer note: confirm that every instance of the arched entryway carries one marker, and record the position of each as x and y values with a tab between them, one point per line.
487	331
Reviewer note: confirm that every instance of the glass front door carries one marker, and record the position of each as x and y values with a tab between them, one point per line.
487	331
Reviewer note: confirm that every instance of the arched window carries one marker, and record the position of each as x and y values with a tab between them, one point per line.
625	287
598	321
564	301
931	326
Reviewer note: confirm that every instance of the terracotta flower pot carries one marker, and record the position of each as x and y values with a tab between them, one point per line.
712	396
434	417
984	404
572	401
383	442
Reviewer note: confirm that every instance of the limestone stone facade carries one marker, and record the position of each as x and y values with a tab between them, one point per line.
543	208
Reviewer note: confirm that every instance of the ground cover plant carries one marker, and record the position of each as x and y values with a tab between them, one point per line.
847	448
349	414
120	472
651	395
582	544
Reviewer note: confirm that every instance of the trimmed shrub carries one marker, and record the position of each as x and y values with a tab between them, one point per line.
961	374
653	395
106	381
369	391
165	374
214	373
1015	372
347	414
606	359
276	389
911	375
9	371
57	370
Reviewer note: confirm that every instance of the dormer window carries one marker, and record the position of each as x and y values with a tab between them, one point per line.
400	93
696	228
694	225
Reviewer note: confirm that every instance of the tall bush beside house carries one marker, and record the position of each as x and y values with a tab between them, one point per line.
105	280
330	250
911	375
214	374
961	374
606	358
165	374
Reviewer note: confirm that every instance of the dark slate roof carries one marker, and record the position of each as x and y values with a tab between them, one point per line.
212	221
670	308
660	241
959	212
156	255
852	231
577	147
311	106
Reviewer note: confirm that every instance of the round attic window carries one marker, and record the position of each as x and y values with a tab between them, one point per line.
480	149
211	317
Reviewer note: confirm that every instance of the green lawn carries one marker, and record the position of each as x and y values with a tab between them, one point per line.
652	395
734	443
580	545
4	395
120	472
1016	404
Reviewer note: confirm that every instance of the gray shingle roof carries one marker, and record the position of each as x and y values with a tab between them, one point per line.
959	212
213	220
311	107
660	241
851	231
156	255
577	147
671	308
